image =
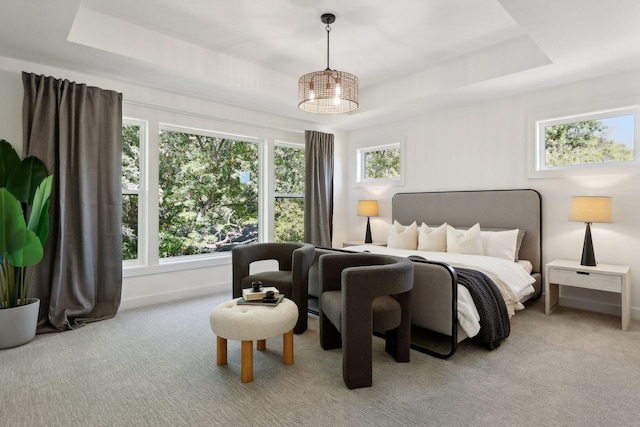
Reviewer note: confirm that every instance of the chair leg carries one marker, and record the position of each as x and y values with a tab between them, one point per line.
391	343
303	317
357	363
403	343
302	323
398	344
330	337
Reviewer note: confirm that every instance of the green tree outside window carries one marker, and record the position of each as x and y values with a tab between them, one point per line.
586	142
208	193
382	164
289	194
130	188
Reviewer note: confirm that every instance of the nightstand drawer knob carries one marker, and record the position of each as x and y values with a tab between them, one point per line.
586	273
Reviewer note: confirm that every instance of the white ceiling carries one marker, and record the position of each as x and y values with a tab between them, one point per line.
408	54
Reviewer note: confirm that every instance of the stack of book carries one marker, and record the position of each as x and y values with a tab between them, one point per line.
251	297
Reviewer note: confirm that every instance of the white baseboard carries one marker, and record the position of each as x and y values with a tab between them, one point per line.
597	306
174	296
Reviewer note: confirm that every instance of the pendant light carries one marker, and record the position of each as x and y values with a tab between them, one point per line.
328	91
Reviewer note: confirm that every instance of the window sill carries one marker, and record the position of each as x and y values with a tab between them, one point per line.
177	264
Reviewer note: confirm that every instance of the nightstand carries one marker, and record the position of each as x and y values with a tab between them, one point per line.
361	242
602	277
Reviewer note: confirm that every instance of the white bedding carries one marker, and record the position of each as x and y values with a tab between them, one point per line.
511	278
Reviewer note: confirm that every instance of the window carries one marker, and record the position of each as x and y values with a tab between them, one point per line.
601	139
133	135
208	186
380	164
193	188
289	168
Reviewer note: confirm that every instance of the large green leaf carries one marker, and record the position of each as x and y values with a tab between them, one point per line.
42	230
8	161
30	254
25	178
12	225
40	207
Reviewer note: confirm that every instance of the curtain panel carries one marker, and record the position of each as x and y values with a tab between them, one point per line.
318	188
77	132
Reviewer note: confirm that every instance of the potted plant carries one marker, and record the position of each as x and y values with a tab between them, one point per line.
24	193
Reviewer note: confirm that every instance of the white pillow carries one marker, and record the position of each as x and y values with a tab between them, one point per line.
500	244
403	237
432	239
464	241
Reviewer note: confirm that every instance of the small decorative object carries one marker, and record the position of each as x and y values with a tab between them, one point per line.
256	286
590	209
24	194
270	297
368	208
250	295
269	301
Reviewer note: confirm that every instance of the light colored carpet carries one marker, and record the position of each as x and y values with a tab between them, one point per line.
156	366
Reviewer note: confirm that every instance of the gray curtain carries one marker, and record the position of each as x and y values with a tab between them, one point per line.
77	132
318	188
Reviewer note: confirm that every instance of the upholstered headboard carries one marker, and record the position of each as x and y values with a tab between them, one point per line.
505	209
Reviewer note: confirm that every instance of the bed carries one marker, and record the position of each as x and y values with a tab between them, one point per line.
439	304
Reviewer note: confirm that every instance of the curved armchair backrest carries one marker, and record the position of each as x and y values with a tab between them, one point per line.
284	253
302	260
337	269
314	271
281	252
293	258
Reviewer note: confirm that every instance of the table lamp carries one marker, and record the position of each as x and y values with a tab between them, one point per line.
368	208
590	209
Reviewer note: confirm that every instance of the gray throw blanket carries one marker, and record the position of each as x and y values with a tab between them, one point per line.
494	318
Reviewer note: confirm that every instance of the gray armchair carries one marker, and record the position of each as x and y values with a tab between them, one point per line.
291	278
361	294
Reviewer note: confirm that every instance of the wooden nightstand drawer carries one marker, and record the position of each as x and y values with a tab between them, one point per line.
586	279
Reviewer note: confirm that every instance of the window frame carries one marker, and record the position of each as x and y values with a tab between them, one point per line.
260	143
182	120
276	195
141	192
359	152
288	145
536	165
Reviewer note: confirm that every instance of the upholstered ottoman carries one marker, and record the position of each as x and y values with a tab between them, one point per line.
248	323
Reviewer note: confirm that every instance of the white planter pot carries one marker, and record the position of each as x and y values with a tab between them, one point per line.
18	324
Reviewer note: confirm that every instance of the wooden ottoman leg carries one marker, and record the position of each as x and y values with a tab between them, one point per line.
222	351
287	344
247	361
262	345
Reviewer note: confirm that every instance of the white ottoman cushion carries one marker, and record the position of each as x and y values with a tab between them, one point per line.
253	322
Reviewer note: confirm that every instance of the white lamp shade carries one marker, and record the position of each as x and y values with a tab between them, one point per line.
367	208
591	209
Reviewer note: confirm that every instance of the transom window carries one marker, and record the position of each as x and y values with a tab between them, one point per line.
600	139
380	164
